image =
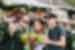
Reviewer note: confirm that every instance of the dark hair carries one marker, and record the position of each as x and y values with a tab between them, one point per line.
35	9
39	20
50	16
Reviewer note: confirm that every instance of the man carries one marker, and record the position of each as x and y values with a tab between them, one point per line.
38	13
56	35
14	15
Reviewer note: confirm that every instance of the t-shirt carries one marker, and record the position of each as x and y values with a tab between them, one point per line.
39	38
55	35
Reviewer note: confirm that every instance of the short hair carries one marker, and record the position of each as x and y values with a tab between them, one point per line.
50	16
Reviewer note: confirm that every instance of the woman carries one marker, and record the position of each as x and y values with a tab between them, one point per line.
14	42
37	37
3	35
24	29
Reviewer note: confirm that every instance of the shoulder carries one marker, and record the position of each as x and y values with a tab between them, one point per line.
61	30
32	33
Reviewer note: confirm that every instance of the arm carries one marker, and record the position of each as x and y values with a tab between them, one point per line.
61	42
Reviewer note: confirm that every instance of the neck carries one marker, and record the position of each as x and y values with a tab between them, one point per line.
39	32
52	28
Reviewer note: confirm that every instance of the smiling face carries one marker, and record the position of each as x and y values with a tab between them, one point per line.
38	26
52	23
24	22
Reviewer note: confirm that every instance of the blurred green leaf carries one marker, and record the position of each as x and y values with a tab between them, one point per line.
70	2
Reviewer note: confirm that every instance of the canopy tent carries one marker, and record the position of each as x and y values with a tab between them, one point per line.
36	3
16	2
39	4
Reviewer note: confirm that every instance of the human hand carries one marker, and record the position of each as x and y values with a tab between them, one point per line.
46	41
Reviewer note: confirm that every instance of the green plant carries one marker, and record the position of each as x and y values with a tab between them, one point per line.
70	2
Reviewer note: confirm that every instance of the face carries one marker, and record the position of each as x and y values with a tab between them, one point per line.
24	23
73	17
41	13
38	26
51	23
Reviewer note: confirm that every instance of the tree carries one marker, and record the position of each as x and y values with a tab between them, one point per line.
70	2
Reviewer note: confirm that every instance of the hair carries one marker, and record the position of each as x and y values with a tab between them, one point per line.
50	16
40	21
35	9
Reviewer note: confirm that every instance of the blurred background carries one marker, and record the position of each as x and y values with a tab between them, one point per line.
64	9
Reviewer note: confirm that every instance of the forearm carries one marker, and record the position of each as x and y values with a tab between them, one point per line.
57	43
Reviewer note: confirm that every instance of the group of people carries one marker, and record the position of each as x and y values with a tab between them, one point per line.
40	31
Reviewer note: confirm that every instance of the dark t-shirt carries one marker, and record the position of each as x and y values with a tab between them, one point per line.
55	35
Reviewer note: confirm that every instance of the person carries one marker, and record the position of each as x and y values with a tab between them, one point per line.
38	13
38	35
3	35
14	15
55	38
24	24
24	30
66	26
73	16
14	42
